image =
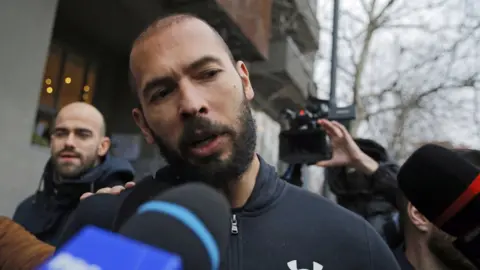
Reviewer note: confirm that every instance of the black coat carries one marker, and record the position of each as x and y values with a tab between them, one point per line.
45	212
372	197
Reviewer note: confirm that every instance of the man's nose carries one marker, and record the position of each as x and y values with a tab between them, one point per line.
192	102
70	141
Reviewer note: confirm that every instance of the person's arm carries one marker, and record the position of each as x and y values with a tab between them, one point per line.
380	255
384	181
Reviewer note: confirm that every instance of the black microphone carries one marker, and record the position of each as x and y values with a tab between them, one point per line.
145	190
108	211
98	210
192	221
444	187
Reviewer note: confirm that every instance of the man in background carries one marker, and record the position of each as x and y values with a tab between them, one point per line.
79	164
426	246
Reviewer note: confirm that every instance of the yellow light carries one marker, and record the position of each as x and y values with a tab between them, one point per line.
48	81
49	90
85	97
86	88
68	80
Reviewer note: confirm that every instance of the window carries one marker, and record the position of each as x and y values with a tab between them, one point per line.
68	77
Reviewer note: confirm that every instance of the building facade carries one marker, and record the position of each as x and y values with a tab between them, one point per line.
56	52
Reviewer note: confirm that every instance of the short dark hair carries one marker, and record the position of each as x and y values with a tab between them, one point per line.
162	24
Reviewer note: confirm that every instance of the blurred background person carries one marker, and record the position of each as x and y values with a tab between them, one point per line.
79	163
425	246
363	179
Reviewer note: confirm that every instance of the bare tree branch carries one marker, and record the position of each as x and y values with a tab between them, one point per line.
408	71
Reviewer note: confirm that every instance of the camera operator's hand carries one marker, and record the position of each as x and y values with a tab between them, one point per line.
345	152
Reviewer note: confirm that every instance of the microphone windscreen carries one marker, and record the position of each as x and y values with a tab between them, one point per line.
433	179
145	190
192	220
98	210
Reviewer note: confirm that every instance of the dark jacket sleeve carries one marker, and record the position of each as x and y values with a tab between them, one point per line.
19	209
384	181
381	257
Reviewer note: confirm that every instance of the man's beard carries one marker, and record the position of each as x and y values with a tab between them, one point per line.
77	171
212	170
441	245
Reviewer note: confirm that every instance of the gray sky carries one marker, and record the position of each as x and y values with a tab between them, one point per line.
415	35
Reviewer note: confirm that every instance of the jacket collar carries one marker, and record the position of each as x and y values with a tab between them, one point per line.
268	187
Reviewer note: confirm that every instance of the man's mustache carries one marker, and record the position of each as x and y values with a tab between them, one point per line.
200	127
68	153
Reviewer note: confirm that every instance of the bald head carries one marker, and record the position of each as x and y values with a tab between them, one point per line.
83	112
78	140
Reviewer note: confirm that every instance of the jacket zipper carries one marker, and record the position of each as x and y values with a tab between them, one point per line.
234	229
234	256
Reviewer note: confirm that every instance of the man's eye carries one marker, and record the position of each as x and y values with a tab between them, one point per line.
209	74
60	133
83	135
159	94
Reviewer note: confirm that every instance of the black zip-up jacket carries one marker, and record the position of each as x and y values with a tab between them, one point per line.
281	224
280	227
44	214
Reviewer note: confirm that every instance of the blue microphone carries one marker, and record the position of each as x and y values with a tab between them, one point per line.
185	228
97	249
192	220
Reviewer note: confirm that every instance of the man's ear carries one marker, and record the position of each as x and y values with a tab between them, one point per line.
104	146
418	219
142	124
245	77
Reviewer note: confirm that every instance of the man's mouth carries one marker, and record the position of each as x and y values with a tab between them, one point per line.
203	141
68	156
207	144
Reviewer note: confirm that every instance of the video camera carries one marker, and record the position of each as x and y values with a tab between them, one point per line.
304	141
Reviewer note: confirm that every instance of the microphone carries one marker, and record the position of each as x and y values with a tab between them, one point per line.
97	249
144	191
109	211
444	187
20	249
184	228
182	211
98	210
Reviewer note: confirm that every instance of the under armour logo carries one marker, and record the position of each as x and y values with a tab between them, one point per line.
292	265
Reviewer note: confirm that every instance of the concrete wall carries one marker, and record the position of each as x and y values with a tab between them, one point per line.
267	137
25	31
